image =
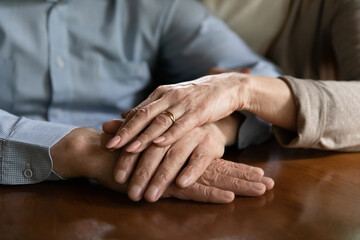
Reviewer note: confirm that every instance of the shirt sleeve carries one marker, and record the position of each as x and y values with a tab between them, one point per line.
25	149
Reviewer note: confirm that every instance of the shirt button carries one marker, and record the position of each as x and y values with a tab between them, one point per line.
60	63
28	173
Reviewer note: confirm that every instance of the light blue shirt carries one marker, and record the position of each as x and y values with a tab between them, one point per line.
82	62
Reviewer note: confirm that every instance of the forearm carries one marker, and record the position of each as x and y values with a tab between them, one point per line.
270	99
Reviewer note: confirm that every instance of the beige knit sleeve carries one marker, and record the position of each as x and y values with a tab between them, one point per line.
329	111
328	115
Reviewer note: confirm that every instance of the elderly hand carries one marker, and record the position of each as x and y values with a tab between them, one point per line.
174	110
157	167
82	153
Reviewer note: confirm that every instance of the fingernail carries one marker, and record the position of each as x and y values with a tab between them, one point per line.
120	176
159	139
134	146
153	193
269	183
134	193
258	186
184	181
113	142
229	195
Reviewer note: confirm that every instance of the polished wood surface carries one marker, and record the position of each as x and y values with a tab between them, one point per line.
317	196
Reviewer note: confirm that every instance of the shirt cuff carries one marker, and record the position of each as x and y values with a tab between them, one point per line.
253	130
25	154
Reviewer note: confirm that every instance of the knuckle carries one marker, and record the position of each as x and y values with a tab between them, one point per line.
164	176
207	178
248	175
198	156
180	126
145	137
131	113
124	132
252	176
172	154
258	171
236	184
203	106
162	120
176	93
160	89
208	192
142	175
144	112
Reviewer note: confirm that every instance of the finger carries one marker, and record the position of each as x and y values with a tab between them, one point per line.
149	162
200	159
186	123
138	122
116	139
234	169
161	123
173	161
201	193
268	182
250	174
111	127
124	166
238	186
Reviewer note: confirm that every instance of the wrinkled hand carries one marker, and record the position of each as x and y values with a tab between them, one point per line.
158	167
82	153
193	104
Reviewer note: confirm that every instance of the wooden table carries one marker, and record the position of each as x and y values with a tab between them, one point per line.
317	196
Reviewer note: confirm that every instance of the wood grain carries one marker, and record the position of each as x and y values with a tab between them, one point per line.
317	196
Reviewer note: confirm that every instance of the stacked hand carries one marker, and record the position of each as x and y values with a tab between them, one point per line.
173	110
157	167
82	153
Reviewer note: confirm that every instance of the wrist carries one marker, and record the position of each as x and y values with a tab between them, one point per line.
244	85
68	154
229	127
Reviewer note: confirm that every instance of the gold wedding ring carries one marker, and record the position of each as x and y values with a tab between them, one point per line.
170	115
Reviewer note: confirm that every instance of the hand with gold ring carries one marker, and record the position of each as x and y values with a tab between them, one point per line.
173	110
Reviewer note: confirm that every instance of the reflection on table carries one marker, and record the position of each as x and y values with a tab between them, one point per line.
316	196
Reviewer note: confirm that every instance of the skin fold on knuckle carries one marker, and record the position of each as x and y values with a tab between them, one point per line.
145	137
163	177
174	156
141	176
208	178
177	129
252	176
144	113
161	121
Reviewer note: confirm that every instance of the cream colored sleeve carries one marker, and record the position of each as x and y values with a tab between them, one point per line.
328	115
